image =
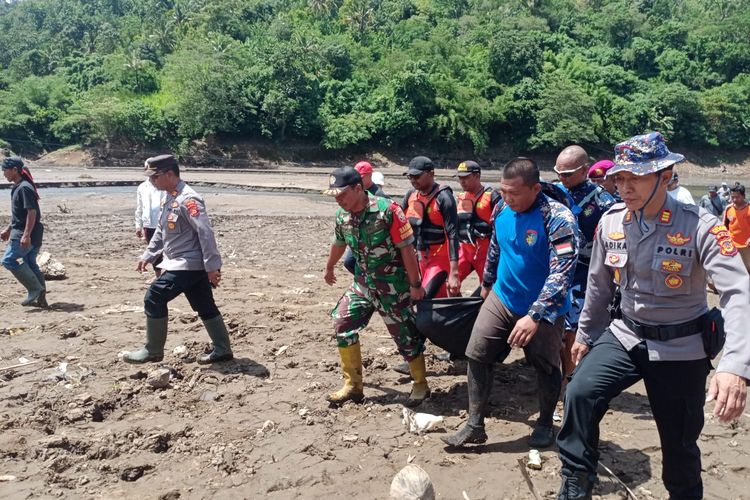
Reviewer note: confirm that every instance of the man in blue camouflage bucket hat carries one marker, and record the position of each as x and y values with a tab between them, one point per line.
658	251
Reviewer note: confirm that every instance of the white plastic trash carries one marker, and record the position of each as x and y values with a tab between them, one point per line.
412	483
418	423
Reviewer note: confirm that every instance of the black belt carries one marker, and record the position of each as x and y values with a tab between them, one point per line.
666	332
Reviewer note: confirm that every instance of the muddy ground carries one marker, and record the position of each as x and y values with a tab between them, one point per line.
259	427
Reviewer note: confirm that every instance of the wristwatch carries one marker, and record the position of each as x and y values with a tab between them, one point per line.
417	284
535	313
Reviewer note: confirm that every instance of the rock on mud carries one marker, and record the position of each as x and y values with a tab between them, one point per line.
159	378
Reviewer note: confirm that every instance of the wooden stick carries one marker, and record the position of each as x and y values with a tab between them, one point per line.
526	476
614	476
20	365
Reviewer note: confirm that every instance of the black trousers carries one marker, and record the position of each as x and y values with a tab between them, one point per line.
195	286
149	232
676	393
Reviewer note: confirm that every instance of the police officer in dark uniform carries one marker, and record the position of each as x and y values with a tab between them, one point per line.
658	251
191	265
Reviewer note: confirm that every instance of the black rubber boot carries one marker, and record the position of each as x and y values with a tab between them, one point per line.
577	486
30	282
42	300
217	330
156	337
479	376
549	384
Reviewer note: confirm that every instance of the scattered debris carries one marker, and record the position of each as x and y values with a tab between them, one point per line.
630	493
268	426
20	365
51	268
349	438
281	350
6	478
159	378
412	483
527	478
180	350
535	460
418	423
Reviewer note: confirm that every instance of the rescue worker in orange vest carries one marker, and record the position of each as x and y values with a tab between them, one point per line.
431	210
474	208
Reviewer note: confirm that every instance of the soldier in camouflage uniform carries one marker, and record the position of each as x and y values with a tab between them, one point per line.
387	280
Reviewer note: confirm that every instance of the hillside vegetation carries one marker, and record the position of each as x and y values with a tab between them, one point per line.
374	73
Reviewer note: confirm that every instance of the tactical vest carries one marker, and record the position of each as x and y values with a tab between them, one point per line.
474	216
418	211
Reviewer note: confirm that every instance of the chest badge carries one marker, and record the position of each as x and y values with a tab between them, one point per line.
613	258
531	237
175	204
671	266
678	239
616	235
673	281
588	211
171	225
665	217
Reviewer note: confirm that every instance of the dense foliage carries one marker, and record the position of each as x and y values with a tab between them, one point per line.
536	73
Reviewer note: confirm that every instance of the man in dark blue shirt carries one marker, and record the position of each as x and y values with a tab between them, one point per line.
24	232
589	204
526	294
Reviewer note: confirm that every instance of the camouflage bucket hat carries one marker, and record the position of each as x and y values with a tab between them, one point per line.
643	155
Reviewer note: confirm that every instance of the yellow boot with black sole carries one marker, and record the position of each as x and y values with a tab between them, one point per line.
351	365
419	389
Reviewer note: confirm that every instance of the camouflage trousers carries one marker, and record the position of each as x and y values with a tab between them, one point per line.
390	297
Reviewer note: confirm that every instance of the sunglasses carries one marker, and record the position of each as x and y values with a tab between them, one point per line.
565	175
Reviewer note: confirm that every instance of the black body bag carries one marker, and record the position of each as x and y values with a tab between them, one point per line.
713	333
447	322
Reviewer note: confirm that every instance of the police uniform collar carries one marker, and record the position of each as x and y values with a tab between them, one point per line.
178	189
666	215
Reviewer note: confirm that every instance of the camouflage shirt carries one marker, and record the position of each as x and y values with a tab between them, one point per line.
375	236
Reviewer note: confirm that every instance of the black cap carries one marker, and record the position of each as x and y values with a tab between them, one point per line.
467	168
342	178
419	165
159	164
712	189
12	162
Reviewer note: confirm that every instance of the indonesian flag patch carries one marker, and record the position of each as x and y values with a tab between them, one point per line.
564	248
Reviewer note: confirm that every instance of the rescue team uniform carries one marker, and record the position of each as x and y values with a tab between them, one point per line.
435	223
185	241
590	202
380	283
530	265
474	230
661	271
738	223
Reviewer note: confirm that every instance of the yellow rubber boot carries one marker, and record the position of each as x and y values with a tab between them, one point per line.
419	389
351	364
